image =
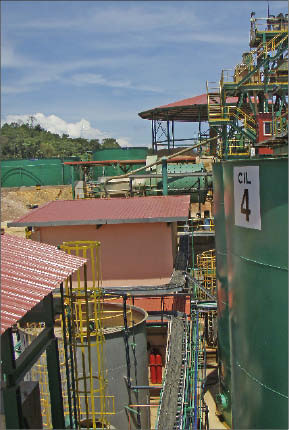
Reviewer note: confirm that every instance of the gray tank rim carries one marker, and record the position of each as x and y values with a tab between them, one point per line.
119	330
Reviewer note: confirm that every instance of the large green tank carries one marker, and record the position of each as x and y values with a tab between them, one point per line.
256	213
46	171
224	364
130	153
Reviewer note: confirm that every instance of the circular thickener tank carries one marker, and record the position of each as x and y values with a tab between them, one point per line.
256	214
115	365
224	396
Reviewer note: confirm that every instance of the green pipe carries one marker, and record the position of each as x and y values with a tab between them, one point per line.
131	410
193	253
72	182
165	176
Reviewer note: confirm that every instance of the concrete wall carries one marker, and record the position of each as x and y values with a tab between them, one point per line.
128	251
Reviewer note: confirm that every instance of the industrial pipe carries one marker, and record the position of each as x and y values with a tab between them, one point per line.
165	176
197	145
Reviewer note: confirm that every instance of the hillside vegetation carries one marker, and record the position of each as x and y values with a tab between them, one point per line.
26	141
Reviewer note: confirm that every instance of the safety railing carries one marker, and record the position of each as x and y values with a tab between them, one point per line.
197	223
227	76
238	150
269	24
206	272
237	113
254	56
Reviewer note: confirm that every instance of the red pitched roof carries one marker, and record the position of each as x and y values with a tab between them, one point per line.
193	109
108	211
29	272
197	100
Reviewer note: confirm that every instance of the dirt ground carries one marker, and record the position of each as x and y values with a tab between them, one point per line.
16	202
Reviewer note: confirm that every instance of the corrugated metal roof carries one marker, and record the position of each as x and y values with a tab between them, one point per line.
108	211
193	109
29	271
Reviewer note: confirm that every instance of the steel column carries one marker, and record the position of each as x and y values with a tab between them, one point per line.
54	380
165	176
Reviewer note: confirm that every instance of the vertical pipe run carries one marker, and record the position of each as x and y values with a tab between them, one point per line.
72	181
196	372
193	256
165	176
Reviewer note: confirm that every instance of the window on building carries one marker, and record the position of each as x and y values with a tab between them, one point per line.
267	128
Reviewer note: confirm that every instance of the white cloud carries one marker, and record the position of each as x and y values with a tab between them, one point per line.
57	125
124	141
97	79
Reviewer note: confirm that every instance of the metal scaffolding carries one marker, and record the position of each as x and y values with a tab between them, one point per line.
259	84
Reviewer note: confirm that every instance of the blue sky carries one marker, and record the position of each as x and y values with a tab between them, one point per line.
88	67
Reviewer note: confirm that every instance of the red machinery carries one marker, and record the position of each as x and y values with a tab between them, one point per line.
156	369
153	370
159	368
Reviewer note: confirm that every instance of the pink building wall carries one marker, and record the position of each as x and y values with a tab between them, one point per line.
133	251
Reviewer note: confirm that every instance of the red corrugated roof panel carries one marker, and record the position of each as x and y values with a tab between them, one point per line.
108	211
197	100
29	271
193	109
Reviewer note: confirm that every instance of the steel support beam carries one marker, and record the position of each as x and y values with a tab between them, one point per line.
165	175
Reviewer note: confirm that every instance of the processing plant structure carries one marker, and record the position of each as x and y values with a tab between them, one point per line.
164	267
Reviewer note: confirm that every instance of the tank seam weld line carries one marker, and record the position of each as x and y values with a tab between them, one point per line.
256	262
259	382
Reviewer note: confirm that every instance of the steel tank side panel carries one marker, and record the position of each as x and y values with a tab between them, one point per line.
258	297
222	290
114	359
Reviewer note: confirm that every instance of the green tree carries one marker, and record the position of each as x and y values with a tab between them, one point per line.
30	140
109	143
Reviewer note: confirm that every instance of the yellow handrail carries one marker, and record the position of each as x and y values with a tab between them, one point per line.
248	121
261	50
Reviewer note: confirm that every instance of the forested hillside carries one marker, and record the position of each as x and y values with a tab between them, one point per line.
29	141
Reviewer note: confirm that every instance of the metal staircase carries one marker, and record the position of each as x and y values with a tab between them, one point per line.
228	115
214	101
242	122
